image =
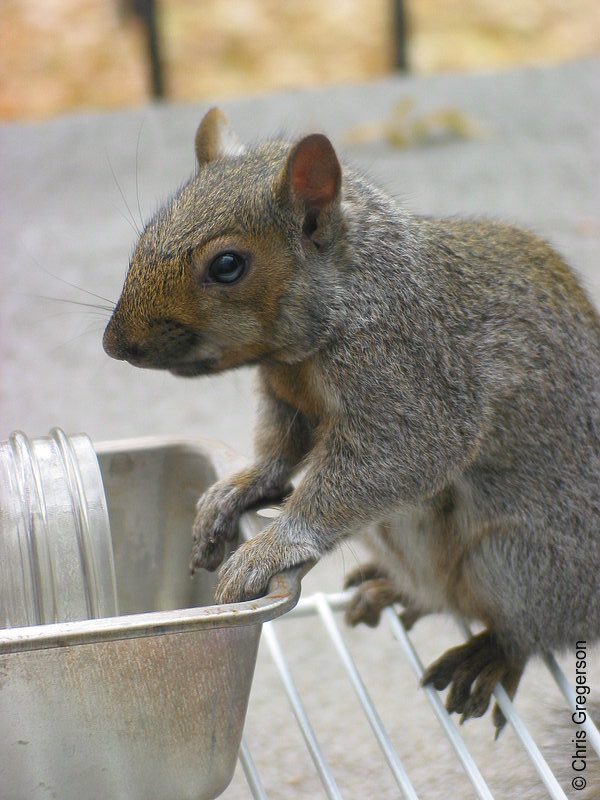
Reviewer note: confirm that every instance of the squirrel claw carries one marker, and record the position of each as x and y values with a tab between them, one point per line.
499	721
410	615
208	558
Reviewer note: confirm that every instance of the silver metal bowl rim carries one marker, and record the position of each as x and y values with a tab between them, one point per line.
283	594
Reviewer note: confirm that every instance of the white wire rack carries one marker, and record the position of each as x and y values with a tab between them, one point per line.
322	607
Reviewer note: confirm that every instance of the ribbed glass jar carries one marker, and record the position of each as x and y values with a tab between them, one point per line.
56	558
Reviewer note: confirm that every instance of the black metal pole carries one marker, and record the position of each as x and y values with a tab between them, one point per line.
399	35
145	10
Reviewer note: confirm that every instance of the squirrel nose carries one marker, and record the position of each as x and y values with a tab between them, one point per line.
118	346
130	351
159	344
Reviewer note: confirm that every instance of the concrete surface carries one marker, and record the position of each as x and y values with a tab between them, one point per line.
74	190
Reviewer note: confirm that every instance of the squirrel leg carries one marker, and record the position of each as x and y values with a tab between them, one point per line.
281	442
334	498
472	670
329	504
311	521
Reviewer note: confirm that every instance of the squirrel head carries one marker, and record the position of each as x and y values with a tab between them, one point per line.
238	267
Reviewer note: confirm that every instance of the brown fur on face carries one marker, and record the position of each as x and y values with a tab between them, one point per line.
228	325
171	315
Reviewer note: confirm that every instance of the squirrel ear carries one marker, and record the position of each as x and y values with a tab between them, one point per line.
215	138
314	175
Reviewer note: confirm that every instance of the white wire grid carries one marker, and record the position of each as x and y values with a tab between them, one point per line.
322	607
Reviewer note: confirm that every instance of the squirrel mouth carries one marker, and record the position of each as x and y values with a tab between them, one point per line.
193	369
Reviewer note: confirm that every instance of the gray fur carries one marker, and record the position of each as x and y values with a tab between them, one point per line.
456	369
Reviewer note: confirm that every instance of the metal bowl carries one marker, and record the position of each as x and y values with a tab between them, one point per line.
149	705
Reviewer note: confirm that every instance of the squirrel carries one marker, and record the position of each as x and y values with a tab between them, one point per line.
436	380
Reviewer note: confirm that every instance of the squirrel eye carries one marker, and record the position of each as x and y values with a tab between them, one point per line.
226	268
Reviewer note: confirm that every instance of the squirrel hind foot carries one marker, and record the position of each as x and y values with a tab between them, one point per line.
365	572
472	671
374	592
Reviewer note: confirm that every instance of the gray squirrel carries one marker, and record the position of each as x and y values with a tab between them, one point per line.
437	380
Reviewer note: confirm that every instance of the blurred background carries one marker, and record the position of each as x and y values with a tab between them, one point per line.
60	55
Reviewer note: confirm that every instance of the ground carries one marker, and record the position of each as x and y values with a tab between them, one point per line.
60	55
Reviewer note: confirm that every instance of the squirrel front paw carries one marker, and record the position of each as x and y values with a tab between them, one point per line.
215	525
247	572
